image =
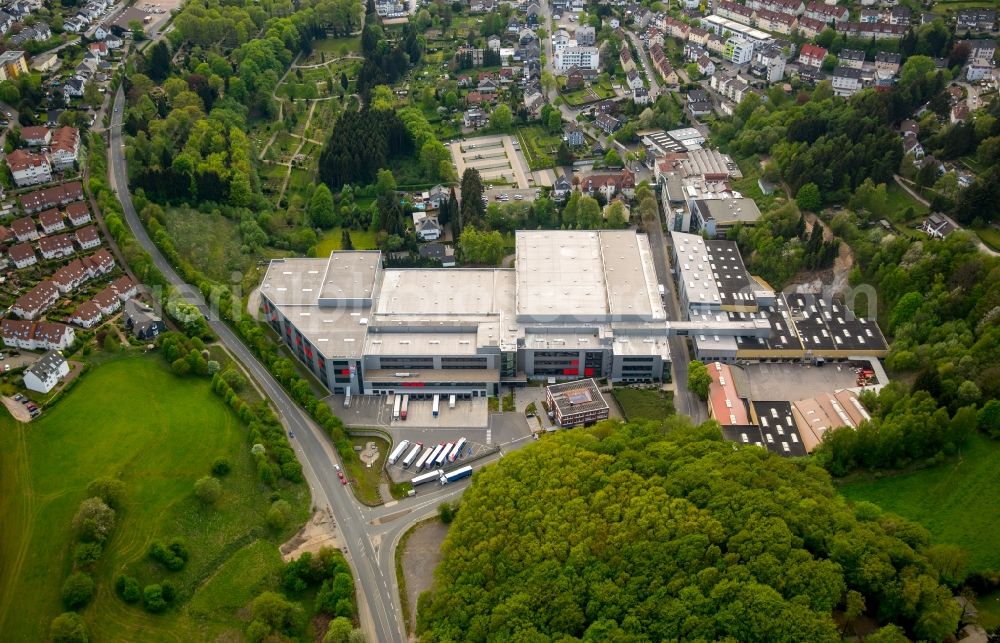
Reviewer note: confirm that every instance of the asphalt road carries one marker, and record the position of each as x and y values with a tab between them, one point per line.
654	83
375	574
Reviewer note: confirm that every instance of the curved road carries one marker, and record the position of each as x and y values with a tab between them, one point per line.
363	529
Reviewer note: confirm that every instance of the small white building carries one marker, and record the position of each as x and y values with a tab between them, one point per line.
45	373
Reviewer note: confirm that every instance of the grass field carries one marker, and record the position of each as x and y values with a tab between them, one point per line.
133	419
364	479
637	403
209	241
956	501
990	236
539	147
330	241
899	200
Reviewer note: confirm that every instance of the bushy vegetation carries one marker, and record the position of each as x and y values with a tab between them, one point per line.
661	531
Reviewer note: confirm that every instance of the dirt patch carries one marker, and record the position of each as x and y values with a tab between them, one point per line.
18	410
370	454
321	531
420	556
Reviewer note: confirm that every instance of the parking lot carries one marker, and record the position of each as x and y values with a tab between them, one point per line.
496	157
376	410
790	382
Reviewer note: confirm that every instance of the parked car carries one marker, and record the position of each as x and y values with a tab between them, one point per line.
19	397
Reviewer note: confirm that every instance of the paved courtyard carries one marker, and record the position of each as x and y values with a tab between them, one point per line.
790	382
494	156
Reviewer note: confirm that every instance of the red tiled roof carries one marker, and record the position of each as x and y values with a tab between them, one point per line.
20	160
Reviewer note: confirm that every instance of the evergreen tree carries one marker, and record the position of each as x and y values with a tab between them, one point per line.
449	209
158	63
345	240
472	198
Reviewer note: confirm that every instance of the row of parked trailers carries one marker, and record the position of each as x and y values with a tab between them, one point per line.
431	456
441	476
402	402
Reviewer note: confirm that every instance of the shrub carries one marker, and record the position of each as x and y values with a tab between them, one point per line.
110	490
169	591
128	589
68	627
94	520
278	514
152	599
173	556
208	490
77	591
87	554
221	467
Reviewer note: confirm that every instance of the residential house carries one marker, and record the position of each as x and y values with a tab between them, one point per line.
812	56
716	44
738	51
43	375
698	36
769	64
33	336
70	276
937	226
29	168
626	59
582	57
64	150
6	21
5	234
846	81
475	118
107	301
24	229
88	237
735	88
125	288
100	263
533	101
875	30
705	65
978	70
487	86
36	136
23	255
777	22
87	315
586	36
36	301
426	226
12	64
977	20
439	252
607	123
574	79
912	146
826	13
141	321
78	214
99	49
609	184
562	187
734	11
899	15
560	40
869	15
887	62
981	49
641	96
56	195
811	27
51	221
675	28
851	58
73	88
573	135
436	197
56	247
791	7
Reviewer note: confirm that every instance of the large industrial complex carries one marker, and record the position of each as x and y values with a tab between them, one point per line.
576	304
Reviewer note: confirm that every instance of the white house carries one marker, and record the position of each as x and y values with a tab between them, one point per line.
45	373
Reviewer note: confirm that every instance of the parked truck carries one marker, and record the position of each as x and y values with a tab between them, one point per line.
412	455
402	409
437	405
398	451
457	474
427	477
451	402
422	460
434	455
457	451
443	456
395	407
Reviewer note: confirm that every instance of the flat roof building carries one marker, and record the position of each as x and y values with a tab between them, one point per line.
576	304
576	403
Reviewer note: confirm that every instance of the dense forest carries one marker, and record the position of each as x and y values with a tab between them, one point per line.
654	532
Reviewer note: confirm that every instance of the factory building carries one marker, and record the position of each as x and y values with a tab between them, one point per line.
575	304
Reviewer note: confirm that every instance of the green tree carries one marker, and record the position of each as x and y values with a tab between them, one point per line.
554	122
152	599
698	379
208	490
128	589
612	159
68	627
94	520
385	183
345	240
77	590
9	92
278	514
808	197
564	156
338	631
221	466
110	490
111	343
158	63
321	213
501	119
271	612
